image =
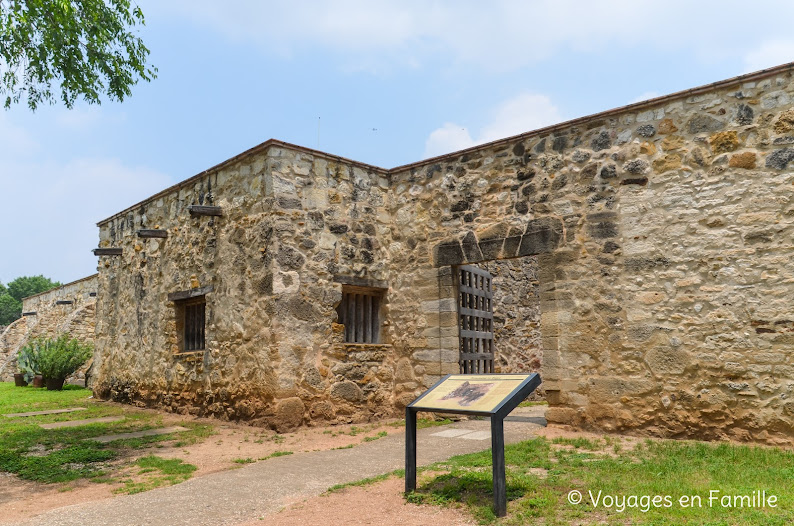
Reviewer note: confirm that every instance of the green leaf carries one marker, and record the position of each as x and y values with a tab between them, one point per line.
82	48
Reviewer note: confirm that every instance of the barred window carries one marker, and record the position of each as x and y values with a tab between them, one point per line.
194	316
359	312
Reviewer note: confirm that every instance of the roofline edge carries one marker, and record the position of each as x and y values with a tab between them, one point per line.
521	136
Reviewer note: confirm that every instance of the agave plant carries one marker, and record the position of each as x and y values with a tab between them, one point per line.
28	358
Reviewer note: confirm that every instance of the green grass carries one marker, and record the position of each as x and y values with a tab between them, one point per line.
366	481
580	443
62	455
528	403
276	454
157	472
666	468
26	399
247	460
375	437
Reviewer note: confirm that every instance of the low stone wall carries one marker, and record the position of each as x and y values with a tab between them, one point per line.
49	315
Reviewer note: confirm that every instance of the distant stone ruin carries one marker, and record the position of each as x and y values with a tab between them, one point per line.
68	309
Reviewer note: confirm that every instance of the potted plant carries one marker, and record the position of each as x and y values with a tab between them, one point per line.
61	357
28	362
19	380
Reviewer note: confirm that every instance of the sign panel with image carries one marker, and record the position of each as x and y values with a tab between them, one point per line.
480	393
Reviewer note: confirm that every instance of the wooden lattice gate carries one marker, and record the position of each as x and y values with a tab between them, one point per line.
475	320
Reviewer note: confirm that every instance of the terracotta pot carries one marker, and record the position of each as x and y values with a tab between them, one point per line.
19	380
38	381
54	384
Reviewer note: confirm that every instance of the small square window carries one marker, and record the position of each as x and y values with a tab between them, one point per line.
359	312
192	314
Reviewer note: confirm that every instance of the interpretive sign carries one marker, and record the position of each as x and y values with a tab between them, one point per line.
492	395
469	393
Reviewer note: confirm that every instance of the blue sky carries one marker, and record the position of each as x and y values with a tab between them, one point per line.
385	82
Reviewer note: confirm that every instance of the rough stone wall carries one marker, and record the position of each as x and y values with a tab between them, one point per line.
11	340
138	357
664	242
50	320
291	223
516	303
331	218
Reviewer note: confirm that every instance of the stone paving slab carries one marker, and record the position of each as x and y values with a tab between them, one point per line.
49	412
477	435
75	423
452	433
138	434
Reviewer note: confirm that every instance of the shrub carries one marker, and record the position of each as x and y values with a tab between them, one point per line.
60	357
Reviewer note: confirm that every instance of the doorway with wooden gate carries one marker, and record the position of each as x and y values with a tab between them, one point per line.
498	316
475	319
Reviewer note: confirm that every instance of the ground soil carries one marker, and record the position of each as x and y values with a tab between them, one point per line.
383	501
21	499
380	503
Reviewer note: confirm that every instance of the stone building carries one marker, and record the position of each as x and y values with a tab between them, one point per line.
642	258
68	309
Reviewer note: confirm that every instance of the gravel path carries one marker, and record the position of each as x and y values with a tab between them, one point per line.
265	487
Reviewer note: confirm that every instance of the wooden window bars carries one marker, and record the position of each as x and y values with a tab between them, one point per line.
194	321
359	312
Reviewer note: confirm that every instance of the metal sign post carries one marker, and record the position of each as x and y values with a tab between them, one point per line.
491	395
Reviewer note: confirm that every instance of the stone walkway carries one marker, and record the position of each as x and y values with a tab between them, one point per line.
50	412
104	439
87	421
467	434
263	488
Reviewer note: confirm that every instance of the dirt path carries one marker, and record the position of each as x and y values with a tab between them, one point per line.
384	502
21	499
264	489
380	503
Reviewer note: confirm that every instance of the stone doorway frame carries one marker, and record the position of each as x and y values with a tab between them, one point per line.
543	237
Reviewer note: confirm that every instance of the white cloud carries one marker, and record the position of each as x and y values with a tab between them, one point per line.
50	207
497	35
448	138
14	139
770	53
520	114
645	96
523	113
79	117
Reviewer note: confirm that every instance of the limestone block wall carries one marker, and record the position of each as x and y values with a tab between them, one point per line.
11	340
654	242
331	220
45	317
664	242
138	357
295	226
